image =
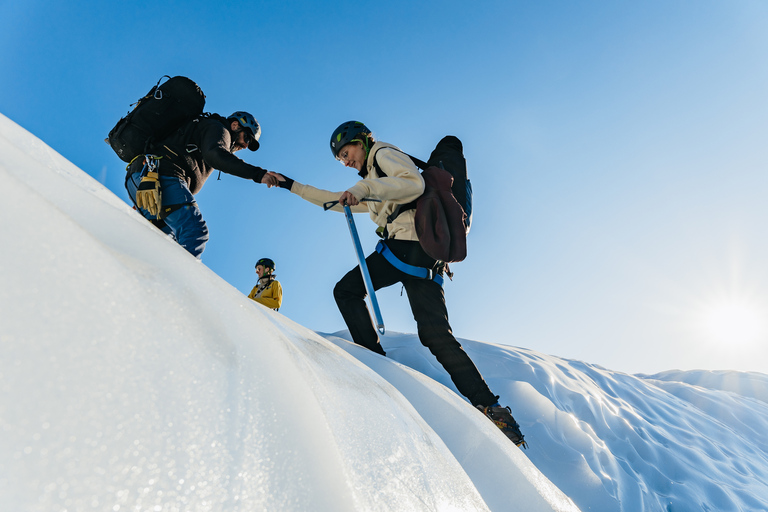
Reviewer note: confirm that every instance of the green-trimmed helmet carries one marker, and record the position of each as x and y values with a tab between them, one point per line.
250	124
345	134
266	263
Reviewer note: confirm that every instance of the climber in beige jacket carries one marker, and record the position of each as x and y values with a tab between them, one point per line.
390	176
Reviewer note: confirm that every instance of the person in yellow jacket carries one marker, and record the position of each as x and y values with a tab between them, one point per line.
267	290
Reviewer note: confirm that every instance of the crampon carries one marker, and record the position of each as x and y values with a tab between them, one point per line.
502	417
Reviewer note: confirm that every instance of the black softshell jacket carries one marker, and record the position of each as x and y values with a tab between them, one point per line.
194	151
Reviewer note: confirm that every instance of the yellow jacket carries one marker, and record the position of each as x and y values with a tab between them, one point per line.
402	185
269	294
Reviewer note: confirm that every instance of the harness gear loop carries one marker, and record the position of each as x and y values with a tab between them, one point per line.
150	164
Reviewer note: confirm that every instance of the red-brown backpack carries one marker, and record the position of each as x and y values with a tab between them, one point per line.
444	211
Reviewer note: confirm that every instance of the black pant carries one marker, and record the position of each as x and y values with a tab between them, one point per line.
428	306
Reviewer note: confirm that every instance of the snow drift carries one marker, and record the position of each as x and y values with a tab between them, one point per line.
133	378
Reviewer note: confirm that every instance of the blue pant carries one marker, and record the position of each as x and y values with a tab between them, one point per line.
185	224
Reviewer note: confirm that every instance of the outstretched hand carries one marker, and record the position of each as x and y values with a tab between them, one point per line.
282	181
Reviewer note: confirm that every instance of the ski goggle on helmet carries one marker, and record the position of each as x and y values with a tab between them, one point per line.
346	133
251	125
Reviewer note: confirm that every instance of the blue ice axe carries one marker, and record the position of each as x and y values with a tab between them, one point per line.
361	259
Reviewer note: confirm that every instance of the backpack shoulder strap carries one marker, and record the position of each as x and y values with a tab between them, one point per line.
381	174
377	167
421	164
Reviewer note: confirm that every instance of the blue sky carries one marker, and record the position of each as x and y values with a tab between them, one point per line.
617	152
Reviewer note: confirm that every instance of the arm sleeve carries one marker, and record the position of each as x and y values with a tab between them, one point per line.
319	196
215	149
402	184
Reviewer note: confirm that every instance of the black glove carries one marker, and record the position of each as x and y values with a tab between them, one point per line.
287	184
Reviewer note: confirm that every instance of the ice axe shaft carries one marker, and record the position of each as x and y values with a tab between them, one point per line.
363	265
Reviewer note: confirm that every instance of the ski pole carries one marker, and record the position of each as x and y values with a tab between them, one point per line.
361	260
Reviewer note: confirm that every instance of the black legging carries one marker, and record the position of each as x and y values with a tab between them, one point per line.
428	306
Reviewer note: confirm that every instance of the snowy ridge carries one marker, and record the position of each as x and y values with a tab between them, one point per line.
613	441
134	378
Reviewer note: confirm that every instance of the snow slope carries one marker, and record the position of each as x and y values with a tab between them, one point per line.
133	378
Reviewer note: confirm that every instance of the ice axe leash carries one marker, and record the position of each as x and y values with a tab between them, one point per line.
361	259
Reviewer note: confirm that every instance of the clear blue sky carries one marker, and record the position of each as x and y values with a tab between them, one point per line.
617	151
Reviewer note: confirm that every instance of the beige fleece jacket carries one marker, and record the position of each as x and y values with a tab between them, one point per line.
402	185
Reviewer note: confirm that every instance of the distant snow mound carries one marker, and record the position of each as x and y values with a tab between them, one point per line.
746	384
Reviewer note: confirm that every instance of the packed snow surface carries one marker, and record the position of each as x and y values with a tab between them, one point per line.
134	378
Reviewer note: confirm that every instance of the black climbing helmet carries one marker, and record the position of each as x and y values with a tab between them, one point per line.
249	124
346	133
266	263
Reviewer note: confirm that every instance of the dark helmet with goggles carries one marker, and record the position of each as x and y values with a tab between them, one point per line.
250	125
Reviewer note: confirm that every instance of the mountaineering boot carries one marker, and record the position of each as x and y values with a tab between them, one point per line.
502	417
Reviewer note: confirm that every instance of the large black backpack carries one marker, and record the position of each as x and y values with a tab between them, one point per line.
155	116
444	211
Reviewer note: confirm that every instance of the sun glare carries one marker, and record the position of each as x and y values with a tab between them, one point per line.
734	321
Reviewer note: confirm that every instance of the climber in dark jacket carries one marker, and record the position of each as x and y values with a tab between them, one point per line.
162	185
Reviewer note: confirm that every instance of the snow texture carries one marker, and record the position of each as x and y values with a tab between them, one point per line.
133	378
